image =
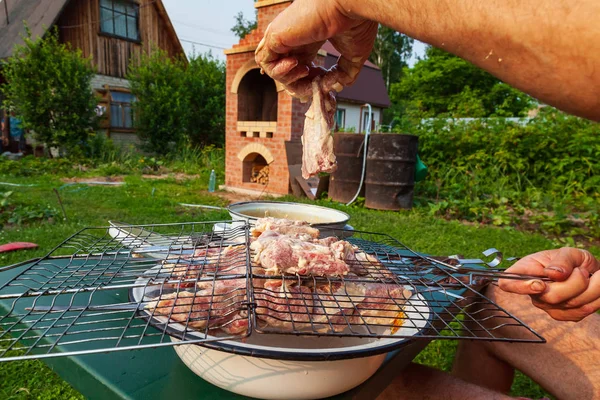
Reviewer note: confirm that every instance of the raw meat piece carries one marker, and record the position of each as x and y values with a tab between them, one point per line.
209	262
218	309
382	304
283	254
284	305
359	262
285	227
335	305
317	142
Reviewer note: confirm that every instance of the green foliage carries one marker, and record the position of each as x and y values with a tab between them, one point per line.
445	85
205	87
35	166
161	106
178	103
200	161
49	89
542	174
18	214
243	26
391	50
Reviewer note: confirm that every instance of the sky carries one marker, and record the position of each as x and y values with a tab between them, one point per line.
208	23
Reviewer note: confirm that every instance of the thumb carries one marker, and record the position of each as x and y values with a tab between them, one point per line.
561	265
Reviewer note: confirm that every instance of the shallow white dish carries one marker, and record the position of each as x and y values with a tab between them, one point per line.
317	216
291	367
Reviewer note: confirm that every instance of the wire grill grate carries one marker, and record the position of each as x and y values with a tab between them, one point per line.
129	287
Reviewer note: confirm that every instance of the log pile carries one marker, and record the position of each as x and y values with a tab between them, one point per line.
260	174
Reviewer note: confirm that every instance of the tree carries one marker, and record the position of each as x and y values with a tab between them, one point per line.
178	103
49	88
243	26
160	109
205	84
445	85
390	52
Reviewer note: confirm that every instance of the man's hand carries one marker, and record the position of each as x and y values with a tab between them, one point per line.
575	291
292	40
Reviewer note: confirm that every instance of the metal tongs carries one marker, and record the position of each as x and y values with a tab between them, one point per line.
492	273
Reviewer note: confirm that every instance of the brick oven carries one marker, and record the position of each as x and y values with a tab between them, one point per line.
261	116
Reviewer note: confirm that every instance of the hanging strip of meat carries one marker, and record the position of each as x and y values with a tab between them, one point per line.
317	142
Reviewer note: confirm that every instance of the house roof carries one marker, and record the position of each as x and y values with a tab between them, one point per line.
39	14
369	87
42	14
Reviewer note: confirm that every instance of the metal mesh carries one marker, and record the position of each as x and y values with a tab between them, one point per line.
129	287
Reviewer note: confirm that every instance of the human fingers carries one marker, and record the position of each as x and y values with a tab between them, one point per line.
589	296
560	292
532	265
305	23
557	265
355	46
563	261
568	314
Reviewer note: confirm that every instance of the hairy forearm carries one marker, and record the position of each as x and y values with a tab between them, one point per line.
549	49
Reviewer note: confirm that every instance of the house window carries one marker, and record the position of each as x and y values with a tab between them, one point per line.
121	115
340	118
120	18
365	121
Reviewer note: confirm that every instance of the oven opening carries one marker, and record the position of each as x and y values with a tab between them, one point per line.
257	98
255	169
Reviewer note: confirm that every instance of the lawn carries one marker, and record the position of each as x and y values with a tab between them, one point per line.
157	201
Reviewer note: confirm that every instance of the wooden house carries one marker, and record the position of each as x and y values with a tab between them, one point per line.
112	32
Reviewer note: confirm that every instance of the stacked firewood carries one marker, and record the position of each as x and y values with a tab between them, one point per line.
260	174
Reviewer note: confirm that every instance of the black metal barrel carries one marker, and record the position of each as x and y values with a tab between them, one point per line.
390	179
348	150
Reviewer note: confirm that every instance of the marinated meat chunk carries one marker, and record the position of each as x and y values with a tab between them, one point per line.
359	262
299	229
208	263
284	305
382	304
317	142
335	305
221	308
286	255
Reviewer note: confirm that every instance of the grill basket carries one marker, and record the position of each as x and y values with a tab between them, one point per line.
127	287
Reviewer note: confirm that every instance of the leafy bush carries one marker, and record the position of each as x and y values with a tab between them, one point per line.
49	88
178	103
19	214
36	166
445	85
205	88
160	109
544	172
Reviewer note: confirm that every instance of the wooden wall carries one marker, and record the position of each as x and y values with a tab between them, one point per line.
79	25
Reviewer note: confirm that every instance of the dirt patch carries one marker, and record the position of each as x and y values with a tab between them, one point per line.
120	178
177	177
98	179
232	197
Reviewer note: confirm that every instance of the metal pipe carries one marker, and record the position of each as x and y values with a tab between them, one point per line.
6	11
364	168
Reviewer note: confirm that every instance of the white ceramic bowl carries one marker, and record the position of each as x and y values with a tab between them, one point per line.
277	379
284	367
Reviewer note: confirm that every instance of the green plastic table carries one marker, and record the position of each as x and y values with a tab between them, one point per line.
158	373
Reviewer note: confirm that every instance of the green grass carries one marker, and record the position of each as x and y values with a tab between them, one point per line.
157	201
